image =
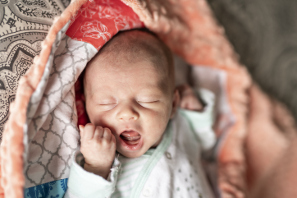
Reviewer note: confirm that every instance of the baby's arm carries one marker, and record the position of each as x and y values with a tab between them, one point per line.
188	98
98	146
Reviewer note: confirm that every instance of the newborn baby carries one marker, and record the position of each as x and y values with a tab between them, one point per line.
131	101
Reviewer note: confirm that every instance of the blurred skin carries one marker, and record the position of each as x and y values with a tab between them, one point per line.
188	98
130	98
280	181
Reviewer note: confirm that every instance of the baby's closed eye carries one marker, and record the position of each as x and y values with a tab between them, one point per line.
107	104
148	102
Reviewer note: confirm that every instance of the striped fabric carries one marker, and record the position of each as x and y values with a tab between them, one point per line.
130	169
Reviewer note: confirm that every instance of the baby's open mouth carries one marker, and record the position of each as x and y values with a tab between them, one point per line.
130	137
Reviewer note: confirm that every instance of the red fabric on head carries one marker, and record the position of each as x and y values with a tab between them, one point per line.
82	116
97	22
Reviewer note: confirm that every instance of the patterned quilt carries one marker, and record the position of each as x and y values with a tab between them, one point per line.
41	133
23	25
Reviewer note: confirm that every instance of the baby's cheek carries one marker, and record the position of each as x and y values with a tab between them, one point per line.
103	121
98	119
159	120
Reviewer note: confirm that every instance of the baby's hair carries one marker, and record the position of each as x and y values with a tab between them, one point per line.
128	45
114	45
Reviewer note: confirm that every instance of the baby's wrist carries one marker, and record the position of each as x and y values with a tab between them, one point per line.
98	170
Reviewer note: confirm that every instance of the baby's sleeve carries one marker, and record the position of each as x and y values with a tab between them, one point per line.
83	184
202	122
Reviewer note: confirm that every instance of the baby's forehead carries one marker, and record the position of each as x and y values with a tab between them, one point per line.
132	47
135	46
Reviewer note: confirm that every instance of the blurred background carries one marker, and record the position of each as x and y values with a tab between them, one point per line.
264	34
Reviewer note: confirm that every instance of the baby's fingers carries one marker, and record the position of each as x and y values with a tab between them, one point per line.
88	132
81	130
98	133
109	140
107	134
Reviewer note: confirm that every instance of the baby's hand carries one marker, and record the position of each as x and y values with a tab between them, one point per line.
98	146
188	99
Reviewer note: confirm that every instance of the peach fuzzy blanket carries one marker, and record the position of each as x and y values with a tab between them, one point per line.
45	107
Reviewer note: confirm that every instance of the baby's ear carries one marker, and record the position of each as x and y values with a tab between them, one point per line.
175	102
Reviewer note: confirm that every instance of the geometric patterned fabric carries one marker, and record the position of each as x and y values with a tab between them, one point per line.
23	25
52	133
55	189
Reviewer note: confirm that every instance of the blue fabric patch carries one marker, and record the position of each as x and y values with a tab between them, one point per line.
54	189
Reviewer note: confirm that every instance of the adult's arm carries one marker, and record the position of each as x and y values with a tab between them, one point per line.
281	180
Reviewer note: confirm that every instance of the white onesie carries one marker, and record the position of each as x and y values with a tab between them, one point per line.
171	170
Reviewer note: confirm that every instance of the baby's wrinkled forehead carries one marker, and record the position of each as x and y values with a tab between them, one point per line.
132	47
137	45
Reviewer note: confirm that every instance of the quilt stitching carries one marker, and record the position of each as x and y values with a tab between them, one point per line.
54	114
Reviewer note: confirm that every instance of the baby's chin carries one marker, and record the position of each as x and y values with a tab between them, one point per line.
130	154
133	153
135	150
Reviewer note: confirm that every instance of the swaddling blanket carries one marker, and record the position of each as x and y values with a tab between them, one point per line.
41	135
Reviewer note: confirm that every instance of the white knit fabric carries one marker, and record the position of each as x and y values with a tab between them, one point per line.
174	169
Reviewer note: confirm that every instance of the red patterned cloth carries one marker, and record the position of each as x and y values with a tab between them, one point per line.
96	23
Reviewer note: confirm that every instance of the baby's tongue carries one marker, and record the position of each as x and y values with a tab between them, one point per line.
130	137
130	134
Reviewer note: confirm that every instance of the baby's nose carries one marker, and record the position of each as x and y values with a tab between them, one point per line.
127	113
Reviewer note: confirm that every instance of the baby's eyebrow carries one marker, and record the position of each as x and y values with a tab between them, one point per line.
99	96
151	91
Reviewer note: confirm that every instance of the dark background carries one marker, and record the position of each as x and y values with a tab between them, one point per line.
264	34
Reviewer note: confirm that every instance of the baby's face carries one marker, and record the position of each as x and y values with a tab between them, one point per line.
131	99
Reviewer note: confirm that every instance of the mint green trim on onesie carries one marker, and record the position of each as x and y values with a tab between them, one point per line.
130	169
150	164
165	171
206	117
201	122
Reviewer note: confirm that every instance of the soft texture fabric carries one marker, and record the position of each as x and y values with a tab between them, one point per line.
41	134
174	169
264	34
23	26
54	189
37	120
130	169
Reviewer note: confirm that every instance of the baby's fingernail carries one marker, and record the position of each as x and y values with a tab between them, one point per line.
81	128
